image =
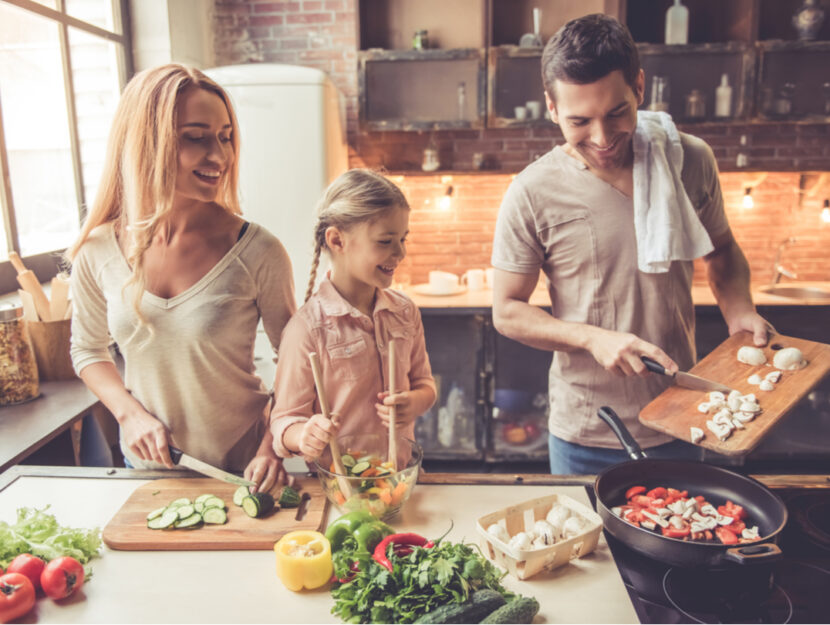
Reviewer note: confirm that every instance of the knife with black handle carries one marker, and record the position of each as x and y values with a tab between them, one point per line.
686	380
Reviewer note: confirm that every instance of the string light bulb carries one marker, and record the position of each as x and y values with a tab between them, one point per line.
445	203
748	202
825	212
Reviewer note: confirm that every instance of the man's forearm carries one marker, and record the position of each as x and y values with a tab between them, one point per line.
728	275
537	328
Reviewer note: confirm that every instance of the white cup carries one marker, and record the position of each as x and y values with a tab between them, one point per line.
441	282
489	277
534	109
520	112
474	278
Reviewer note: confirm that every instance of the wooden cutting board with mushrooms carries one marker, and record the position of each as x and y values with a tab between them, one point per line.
768	382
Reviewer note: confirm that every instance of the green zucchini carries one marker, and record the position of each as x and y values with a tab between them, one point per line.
185	511
521	610
289	498
215	516
156	513
257	504
190	521
201	498
239	494
348	461
481	603
359	468
183	501
214	502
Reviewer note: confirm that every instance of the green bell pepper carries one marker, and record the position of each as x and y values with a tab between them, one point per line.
366	530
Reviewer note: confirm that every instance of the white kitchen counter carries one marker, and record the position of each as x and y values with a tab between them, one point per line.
242	587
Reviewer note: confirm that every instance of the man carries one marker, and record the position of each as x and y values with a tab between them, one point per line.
572	215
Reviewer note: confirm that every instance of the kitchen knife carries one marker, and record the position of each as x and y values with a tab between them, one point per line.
182	459
686	380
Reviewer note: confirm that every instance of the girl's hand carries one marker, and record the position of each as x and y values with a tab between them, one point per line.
316	434
267	471
147	438
405	412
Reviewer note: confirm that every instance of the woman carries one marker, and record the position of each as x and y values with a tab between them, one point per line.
167	267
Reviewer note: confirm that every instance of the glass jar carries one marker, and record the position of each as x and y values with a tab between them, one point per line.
420	40
659	94
695	105
18	369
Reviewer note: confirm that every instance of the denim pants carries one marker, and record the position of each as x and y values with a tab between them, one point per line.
572	459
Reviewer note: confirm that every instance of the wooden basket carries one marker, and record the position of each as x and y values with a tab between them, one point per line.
525	563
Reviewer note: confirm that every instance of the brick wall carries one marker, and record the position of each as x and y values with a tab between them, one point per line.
323	34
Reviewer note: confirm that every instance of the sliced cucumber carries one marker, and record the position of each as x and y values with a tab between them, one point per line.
199	506
215	516
183	501
190	521
348	461
360	467
239	494
167	519
214	502
185	511
156	513
366	458
201	498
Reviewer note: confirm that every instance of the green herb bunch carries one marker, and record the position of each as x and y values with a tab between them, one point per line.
420	582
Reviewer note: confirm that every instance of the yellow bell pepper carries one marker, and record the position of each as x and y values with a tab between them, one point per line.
303	560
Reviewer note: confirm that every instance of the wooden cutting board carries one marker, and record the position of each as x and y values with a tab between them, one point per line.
674	411
128	528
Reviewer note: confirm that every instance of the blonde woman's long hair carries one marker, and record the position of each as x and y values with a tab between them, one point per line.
139	179
357	196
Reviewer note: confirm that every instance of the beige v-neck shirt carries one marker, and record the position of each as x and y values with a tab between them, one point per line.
560	218
195	372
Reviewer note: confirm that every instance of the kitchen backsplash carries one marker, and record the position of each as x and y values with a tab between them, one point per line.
459	236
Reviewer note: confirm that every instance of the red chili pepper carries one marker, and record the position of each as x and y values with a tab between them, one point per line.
415	540
634	490
726	536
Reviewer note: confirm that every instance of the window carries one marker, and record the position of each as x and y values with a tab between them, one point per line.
63	64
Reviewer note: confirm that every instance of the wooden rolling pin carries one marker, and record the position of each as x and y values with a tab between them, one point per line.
29	282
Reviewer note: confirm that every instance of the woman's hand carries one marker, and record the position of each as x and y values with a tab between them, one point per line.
620	352
316	434
405	411
147	438
266	471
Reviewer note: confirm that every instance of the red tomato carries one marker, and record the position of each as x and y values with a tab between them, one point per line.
17	596
61	577
634	490
674	532
30	566
730	509
644	501
658	493
726	536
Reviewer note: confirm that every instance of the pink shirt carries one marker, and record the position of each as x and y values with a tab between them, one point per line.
353	351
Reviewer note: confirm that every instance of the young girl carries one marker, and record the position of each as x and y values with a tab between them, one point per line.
167	267
362	224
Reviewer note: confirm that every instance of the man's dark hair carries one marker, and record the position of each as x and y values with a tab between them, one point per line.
587	49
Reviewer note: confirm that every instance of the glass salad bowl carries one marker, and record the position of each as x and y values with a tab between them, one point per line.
370	482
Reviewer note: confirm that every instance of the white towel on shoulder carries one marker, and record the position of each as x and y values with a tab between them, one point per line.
665	222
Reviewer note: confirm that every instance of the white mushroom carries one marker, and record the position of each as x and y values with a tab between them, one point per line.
721	431
737	424
574	526
545	532
766	385
704	407
649	525
708	510
754	379
734	400
750	533
717	396
616	511
539	543
750	398
697	435
498	532
744	417
774	376
750	355
521	541
557	516
789	359
752	407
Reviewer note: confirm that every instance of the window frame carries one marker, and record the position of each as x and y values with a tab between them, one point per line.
47	264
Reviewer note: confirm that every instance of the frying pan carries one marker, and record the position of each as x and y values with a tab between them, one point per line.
764	509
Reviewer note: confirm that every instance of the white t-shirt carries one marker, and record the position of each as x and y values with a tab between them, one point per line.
195	370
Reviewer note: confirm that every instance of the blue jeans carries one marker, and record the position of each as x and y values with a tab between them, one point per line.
572	459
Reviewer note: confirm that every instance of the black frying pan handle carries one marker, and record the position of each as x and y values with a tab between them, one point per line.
653	365
615	423
753	554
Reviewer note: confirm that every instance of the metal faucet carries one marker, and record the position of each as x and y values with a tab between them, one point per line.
778	269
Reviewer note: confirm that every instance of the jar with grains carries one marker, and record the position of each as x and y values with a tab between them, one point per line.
18	369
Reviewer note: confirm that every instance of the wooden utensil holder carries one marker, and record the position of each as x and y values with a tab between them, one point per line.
525	563
50	341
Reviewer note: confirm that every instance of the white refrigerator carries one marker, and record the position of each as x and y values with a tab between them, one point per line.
293	144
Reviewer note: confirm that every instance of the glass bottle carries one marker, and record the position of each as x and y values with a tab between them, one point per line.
677	24
18	368
695	105
659	94
420	40
462	101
